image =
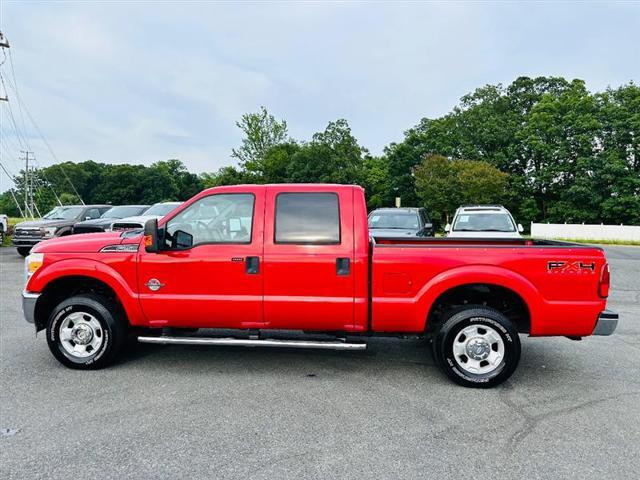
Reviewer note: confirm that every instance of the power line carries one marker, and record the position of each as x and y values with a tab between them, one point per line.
15	88
21	138
18	134
11	190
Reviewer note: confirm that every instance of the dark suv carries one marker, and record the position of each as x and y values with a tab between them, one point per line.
56	223
400	222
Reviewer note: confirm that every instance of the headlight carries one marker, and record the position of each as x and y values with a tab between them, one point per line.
49	232
32	263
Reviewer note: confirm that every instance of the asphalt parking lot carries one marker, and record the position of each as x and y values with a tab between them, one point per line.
572	410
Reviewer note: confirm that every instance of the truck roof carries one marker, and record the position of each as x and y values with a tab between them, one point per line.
310	187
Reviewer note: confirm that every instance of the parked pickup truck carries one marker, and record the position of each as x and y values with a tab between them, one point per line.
57	223
263	260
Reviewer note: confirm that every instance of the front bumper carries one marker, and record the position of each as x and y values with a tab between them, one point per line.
606	324
26	242
29	301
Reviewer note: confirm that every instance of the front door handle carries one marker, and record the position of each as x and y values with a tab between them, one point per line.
252	265
343	266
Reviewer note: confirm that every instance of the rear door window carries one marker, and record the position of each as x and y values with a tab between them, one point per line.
307	218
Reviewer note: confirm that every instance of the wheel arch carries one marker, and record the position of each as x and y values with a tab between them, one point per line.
496	287
68	277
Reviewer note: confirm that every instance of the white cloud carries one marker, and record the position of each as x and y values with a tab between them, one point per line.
143	82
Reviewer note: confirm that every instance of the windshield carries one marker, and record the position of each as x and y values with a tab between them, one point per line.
400	220
63	213
484	222
125	211
161	209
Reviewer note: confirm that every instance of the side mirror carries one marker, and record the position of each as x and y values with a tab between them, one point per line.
447	227
151	235
182	240
520	228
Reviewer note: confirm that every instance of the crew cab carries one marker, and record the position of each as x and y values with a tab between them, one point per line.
264	260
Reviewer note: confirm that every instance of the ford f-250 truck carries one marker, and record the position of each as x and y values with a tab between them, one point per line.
263	260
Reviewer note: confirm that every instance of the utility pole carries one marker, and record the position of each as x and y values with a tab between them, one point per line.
28	185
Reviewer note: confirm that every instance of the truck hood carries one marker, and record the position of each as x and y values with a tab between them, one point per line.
84	243
44	223
97	222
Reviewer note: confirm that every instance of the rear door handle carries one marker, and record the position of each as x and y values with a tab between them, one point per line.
343	266
252	265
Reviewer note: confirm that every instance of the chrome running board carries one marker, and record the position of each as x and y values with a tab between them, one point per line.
247	342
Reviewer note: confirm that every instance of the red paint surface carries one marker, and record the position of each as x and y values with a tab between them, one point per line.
297	286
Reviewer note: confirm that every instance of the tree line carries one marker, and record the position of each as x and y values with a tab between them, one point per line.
546	148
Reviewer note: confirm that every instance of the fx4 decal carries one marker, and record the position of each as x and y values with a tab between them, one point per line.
560	266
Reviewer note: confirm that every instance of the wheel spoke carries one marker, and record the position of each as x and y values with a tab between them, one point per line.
494	358
458	348
95	342
472	365
492	337
65	334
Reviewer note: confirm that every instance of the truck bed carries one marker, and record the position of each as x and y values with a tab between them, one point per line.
557	281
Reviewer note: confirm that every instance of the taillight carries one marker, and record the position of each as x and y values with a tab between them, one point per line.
605	280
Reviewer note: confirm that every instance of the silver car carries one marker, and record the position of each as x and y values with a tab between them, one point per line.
483	221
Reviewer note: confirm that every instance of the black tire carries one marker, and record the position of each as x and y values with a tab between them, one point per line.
24	251
113	331
451	331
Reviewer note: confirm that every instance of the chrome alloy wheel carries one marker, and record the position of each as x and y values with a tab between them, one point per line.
478	349
81	334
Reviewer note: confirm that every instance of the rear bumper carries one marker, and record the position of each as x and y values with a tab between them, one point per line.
29	301
606	324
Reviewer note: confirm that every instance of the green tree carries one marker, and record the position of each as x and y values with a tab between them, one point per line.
571	155
332	156
376	181
261	132
443	185
226	176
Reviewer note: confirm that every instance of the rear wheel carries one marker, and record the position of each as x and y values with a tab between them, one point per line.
24	251
477	347
86	332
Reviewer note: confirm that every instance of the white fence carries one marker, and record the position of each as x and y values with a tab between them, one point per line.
587	232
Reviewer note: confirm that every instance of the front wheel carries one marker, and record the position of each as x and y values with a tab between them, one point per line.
86	332
477	347
24	251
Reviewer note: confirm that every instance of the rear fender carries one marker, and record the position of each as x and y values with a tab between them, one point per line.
485	274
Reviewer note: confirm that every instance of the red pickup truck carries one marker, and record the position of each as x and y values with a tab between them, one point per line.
263	260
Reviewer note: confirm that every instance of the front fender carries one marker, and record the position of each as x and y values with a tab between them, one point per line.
92	269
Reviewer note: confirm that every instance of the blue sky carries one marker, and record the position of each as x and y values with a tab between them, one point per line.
126	82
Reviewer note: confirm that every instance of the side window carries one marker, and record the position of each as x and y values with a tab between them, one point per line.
221	218
91	214
307	218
